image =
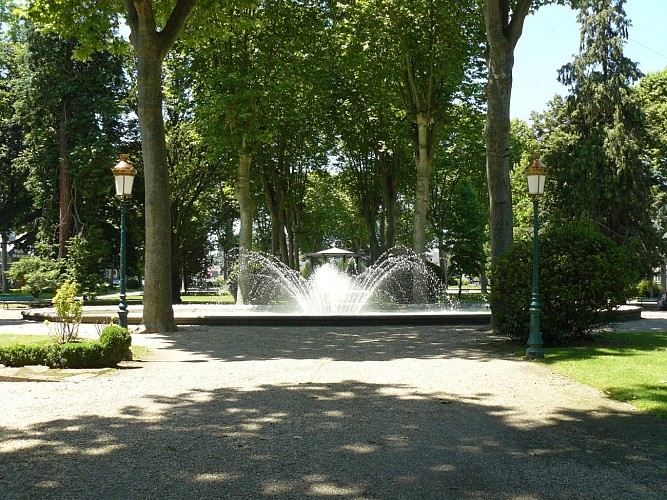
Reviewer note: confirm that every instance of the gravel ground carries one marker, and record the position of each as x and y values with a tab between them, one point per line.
309	412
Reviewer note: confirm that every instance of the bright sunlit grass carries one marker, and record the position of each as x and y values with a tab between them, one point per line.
10	338
630	367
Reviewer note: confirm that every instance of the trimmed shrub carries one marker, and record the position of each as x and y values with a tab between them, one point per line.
108	351
77	355
23	354
583	274
115	341
133	284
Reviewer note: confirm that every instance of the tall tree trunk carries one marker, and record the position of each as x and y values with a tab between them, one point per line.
151	46
496	131
243	196
177	275
389	195
369	214
274	192
424	164
158	310
502	35
5	281
65	188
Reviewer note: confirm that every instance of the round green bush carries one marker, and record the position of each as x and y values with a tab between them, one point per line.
115	341
76	355
583	274
133	284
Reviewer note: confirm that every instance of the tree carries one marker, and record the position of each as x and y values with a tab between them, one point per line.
651	96
332	223
194	175
428	85
593	140
467	234
93	26
504	26
462	141
256	99
15	203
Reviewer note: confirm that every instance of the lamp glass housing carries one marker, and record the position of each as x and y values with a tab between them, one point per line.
124	185
536	174
124	174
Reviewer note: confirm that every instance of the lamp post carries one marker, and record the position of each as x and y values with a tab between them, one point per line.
535	174
123	174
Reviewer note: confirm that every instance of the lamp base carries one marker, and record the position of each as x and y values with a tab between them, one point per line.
534	352
122	317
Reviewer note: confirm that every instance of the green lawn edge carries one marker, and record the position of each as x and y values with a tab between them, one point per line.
626	366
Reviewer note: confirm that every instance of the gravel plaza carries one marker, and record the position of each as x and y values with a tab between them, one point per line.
377	412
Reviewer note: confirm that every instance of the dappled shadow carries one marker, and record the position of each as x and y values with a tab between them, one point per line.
372	343
341	440
653	395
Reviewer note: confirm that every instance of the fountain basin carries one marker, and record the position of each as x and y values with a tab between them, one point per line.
276	316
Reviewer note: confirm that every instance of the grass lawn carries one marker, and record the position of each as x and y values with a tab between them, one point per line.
630	367
208	299
10	338
187	299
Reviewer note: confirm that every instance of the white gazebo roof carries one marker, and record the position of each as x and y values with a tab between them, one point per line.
332	252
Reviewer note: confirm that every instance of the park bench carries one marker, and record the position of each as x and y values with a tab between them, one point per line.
5	300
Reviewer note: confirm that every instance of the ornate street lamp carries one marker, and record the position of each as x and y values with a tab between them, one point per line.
536	174
123	174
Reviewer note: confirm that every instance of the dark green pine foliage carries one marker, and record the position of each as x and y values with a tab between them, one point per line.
592	140
72	112
15	202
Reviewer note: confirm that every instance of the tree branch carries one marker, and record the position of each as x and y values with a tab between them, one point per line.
132	17
516	24
175	24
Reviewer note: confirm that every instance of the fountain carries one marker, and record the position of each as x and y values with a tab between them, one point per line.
398	288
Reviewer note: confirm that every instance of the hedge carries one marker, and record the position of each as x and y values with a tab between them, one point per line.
583	274
108	351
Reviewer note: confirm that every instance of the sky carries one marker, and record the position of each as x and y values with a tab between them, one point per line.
550	39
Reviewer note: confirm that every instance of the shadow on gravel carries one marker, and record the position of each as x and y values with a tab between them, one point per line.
344	440
377	343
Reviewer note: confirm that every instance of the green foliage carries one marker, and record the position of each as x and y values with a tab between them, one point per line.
77	355
115	342
582	273
232	284
39	274
648	288
83	260
592	141
133	284
15	201
71	114
467	231
69	310
334	223
109	350
24	354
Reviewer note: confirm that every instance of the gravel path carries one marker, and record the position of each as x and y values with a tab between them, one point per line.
310	412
